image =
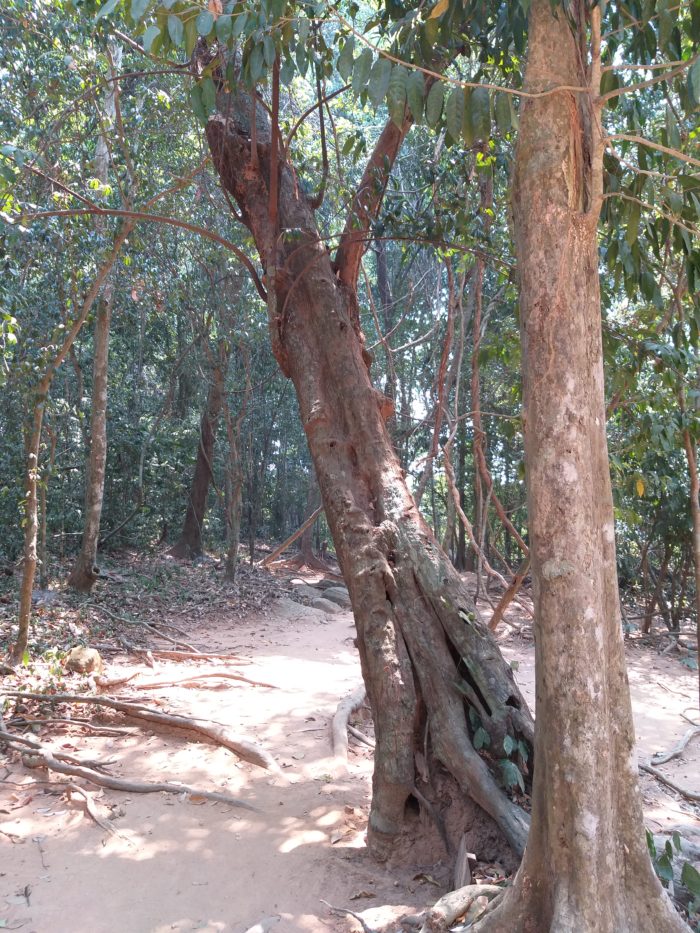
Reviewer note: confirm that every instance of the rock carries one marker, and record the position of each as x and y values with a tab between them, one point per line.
304	590
325	605
83	660
339	595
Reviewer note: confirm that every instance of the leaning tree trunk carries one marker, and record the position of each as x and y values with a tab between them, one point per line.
586	867
189	543
425	654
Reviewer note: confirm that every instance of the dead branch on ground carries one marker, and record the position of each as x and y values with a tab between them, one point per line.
457	903
688	794
662	757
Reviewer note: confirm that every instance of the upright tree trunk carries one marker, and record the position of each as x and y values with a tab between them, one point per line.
313	500
189	543
39	398
85	570
425	655
691	455
586	867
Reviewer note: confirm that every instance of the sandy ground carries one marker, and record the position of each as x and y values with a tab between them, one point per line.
195	865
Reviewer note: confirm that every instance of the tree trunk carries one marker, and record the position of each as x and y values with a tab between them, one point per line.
424	653
39	396
691	455
586	867
306	542
190	542
85	570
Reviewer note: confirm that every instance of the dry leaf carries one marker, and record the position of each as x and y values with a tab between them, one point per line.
360	894
427	879
215	7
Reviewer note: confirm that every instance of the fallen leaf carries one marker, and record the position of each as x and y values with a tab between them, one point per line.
356	897
426	879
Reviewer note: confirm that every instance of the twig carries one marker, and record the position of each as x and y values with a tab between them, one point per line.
245	749
663	757
188	655
91	810
350	913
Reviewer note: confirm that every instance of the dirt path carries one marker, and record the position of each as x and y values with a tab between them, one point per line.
196	865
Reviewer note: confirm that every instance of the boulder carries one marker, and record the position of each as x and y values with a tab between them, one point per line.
339	595
83	660
325	605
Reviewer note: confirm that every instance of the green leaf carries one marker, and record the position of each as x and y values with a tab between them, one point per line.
481	738
511	774
239	24
633	218
138	8
454	113
108	8
694	83
673	136
149	37
509	744
204	23
433	105
224	27
360	71
190	36
378	82
255	63
209	95
480	112
197	104
396	95
269	51
175	29
345	59
415	94
691	879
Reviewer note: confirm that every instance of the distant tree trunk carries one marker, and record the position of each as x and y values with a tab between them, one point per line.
424	653
234	473
189	543
586	867
691	454
39	397
313	500
43	510
85	570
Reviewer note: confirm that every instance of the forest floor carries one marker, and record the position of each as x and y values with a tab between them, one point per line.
147	863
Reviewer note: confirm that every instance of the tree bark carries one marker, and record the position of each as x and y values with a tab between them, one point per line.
425	654
189	543
39	397
85	570
586	867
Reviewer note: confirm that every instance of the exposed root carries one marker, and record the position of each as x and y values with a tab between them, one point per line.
339	728
43	756
248	751
187	655
662	758
349	913
684	792
467	902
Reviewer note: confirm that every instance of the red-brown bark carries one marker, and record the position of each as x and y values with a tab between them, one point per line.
424	653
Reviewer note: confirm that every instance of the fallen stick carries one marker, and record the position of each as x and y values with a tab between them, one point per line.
339	727
291	539
361	737
91	810
189	655
663	757
509	594
245	749
452	905
113	783
688	794
223	675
